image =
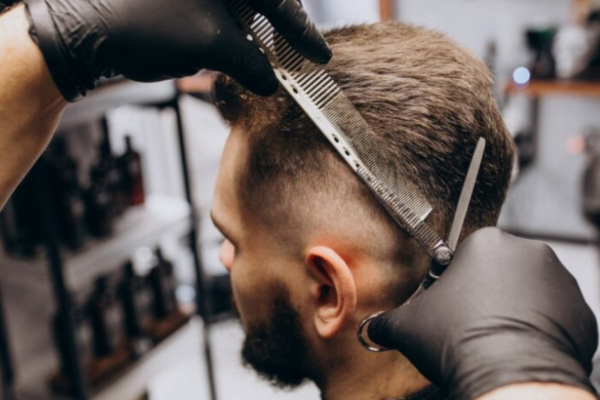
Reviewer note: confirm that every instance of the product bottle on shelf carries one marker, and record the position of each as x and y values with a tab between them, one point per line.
72	216
540	41
63	172
21	226
105	317
135	300
9	227
98	204
169	273
163	285
130	165
107	168
82	336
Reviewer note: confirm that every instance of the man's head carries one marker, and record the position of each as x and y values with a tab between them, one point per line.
307	244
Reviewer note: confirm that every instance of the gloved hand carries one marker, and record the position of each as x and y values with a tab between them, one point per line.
505	311
152	40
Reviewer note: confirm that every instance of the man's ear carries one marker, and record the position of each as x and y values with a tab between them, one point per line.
333	292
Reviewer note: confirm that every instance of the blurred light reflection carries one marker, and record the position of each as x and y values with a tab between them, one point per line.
521	76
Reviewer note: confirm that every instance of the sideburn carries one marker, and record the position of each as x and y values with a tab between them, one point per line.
277	349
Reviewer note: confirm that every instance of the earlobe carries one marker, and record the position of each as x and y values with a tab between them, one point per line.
334	292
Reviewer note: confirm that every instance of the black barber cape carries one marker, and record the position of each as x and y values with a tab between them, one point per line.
429	393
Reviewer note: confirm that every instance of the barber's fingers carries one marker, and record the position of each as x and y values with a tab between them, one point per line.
413	331
394	329
243	62
291	21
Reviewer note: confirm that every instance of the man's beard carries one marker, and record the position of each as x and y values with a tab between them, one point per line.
277	349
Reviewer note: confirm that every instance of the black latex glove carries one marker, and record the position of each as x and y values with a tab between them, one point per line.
152	40
505	311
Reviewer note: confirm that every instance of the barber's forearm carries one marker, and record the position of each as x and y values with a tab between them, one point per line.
538	391
30	104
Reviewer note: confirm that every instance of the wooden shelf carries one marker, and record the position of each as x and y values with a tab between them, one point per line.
140	226
555	88
387	10
144	225
131	383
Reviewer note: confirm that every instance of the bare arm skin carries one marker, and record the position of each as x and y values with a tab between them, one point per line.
30	104
538	391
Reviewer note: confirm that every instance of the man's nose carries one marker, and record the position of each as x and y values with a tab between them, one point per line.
226	254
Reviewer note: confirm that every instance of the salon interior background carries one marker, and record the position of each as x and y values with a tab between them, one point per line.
545	200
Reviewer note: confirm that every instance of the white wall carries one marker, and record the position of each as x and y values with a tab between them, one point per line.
471	22
342	12
474	23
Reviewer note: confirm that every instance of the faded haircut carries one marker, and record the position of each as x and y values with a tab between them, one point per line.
429	98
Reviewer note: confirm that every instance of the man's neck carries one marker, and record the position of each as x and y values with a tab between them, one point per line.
362	375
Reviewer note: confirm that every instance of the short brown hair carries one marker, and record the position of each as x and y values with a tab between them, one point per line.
427	96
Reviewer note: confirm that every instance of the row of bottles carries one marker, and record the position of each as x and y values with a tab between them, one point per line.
121	320
115	183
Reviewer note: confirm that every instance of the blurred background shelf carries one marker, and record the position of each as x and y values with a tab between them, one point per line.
134	382
151	113
118	92
555	88
140	226
114	93
131	383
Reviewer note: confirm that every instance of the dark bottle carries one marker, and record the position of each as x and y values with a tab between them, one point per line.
130	165
169	272
15	228
9	228
60	323
64	167
540	41
591	179
63	173
107	168
163	285
72	217
135	300
29	210
105	317
21	218
98	205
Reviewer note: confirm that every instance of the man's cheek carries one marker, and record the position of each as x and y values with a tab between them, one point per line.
242	298
252	302
235	298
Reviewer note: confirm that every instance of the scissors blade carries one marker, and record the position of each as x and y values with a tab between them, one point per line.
465	195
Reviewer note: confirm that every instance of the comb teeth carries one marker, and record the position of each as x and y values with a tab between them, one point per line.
337	118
